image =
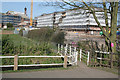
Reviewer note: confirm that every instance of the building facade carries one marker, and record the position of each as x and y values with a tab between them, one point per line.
15	18
79	19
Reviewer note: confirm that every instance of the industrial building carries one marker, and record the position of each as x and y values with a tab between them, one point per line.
75	20
15	18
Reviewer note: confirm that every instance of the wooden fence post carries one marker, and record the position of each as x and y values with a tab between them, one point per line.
15	62
65	61
101	60
88	58
95	59
111	61
80	54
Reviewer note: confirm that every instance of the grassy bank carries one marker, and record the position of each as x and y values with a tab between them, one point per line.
15	44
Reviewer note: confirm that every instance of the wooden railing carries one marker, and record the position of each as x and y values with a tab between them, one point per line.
72	58
16	57
105	59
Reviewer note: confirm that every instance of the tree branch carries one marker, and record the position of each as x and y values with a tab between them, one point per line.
106	18
97	20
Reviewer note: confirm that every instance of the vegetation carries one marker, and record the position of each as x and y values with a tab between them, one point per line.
44	34
39	42
47	35
9	25
59	37
9	29
15	44
21	32
93	46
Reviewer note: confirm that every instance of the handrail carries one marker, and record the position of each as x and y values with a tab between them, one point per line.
102	52
30	56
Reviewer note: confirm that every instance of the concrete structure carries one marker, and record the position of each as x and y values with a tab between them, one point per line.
79	19
15	18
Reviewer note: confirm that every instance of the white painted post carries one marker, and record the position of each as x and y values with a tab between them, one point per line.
74	49
66	49
76	58
72	58
66	45
74	53
80	54
58	48
61	49
70	50
88	58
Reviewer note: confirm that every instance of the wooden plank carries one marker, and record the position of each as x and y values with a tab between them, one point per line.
102	52
31	56
84	54
88	58
6	56
65	61
80	54
70	50
61	48
84	57
42	64
16	62
6	65
95	59
40	56
100	59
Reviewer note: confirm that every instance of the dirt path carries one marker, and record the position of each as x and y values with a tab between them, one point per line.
82	71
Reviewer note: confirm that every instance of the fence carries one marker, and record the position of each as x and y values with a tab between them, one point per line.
85	56
70	51
69	59
105	59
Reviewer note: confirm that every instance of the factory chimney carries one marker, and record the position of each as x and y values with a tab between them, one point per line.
25	11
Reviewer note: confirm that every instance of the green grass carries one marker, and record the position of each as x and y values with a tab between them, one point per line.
17	40
42	69
29	47
31	70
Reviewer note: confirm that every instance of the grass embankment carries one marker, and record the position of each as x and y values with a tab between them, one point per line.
15	44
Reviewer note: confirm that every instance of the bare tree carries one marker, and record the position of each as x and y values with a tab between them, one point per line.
107	7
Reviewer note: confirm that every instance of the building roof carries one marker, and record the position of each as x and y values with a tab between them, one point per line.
22	23
97	9
17	13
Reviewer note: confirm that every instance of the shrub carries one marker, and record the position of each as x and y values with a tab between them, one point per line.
7	45
43	34
21	32
58	37
47	35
